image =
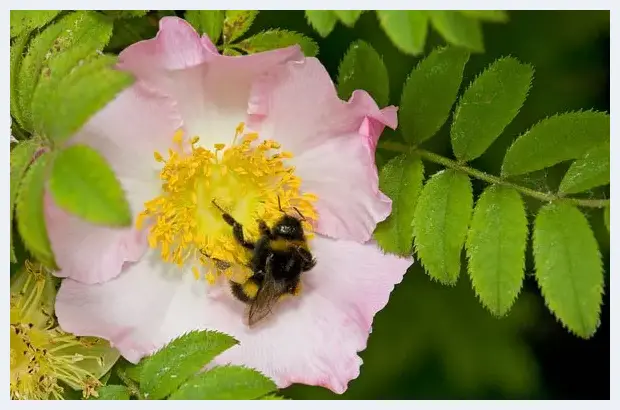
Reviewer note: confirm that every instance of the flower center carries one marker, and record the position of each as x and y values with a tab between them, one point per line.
248	180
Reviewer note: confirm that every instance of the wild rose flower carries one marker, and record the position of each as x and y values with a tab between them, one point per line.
249	134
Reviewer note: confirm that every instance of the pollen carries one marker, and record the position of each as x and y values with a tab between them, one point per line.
248	178
41	354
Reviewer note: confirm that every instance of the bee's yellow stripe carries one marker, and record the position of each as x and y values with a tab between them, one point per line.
250	288
283	244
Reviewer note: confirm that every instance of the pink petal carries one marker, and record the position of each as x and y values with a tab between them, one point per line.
342	173
333	142
87	252
211	91
313	339
126	132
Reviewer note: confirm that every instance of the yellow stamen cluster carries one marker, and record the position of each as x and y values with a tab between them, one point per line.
248	179
39	355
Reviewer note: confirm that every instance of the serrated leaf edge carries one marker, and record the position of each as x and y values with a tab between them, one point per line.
547	118
457	104
542	292
471	276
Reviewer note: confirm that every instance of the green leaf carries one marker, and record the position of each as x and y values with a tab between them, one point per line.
18	46
32	64
457	29
323	21
236	23
430	92
588	172
401	180
272	39
225	383
210	22
24	21
131	30
71	40
63	109
88	36
229	51
362	69
407	29
272	397
494	16
125	14
606	217
496	248
168	368
440	224
556	139
83	184
29	209
489	104
21	157
348	17
568	267
112	392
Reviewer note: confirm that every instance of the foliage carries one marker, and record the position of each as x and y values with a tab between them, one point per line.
177	372
450	219
408	28
496	234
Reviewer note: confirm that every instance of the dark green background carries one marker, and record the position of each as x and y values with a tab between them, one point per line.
435	342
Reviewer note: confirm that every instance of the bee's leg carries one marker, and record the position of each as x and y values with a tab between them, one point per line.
237	228
308	261
264	229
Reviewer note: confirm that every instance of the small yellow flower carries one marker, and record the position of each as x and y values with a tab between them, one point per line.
41	353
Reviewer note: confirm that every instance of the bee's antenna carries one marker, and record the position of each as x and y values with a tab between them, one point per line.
303	218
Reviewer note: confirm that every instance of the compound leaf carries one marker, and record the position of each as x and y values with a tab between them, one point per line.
430	92
21	157
489	104
272	39
362	69
407	29
210	22
226	383
24	21
496	248
556	139
348	17
441	219
236	23
29	210
401	180
112	392
63	108
83	183
18	46
588	172
323	21
568	267
457	29
163	372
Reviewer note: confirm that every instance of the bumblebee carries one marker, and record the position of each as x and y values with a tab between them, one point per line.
278	258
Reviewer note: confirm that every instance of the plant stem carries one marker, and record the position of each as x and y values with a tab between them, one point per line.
492	179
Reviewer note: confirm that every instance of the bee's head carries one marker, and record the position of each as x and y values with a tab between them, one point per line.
289	227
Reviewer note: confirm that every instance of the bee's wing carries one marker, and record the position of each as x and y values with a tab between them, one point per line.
266	298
